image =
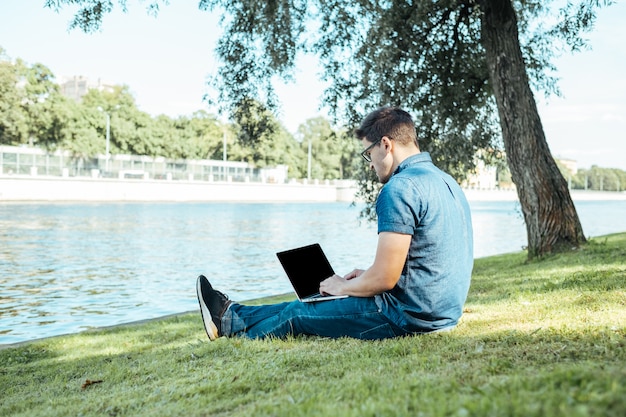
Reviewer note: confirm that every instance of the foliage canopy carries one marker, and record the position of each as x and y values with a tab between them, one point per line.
33	112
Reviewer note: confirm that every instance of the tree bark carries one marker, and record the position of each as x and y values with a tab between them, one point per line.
552	223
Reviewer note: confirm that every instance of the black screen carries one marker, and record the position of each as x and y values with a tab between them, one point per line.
306	267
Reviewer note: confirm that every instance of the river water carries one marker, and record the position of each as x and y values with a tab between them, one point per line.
70	267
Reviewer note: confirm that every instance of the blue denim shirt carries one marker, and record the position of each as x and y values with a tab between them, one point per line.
428	204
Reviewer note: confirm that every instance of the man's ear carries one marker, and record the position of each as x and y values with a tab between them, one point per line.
388	143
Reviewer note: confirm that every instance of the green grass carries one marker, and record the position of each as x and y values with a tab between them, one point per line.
542	338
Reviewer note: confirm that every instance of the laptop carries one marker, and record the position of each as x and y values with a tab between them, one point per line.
306	267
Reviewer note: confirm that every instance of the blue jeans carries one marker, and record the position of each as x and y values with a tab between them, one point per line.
354	317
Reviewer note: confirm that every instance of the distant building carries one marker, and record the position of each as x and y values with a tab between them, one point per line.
569	164
484	177
487	177
77	86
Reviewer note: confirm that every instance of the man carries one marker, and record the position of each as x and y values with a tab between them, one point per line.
421	273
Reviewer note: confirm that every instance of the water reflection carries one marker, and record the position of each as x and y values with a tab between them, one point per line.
68	267
498	227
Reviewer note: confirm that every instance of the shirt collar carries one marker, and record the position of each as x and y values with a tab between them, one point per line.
412	160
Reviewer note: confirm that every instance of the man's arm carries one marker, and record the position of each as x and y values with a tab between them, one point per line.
383	275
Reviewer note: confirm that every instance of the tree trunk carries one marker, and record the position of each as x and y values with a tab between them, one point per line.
552	223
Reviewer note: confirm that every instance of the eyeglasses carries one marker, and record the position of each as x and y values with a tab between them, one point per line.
365	154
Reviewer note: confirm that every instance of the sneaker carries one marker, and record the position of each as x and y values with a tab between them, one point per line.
213	305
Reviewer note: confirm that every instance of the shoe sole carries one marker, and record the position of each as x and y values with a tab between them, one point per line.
209	326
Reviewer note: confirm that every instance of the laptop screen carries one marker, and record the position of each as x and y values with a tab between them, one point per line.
306	267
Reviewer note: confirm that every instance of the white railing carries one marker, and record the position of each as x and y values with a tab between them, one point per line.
37	162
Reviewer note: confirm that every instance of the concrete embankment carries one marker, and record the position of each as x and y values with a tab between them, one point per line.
511	195
25	188
67	189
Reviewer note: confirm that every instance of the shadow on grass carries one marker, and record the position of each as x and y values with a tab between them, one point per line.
596	267
171	360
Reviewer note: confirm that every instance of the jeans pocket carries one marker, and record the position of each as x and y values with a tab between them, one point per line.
384	331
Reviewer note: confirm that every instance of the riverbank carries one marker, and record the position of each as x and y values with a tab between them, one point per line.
536	339
82	189
24	188
511	195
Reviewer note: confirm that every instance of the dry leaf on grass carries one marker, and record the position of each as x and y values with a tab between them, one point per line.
89	382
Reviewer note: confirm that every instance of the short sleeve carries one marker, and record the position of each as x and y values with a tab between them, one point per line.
397	207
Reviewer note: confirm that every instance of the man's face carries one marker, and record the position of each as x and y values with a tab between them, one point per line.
381	160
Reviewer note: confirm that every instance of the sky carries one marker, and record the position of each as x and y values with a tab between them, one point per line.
165	62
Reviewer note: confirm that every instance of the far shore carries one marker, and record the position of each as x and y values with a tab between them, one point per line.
40	189
511	195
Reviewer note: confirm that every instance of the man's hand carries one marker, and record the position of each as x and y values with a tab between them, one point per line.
354	274
333	285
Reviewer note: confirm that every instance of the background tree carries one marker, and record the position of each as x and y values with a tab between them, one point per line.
552	223
30	104
203	135
40	94
80	134
266	141
332	151
13	128
601	179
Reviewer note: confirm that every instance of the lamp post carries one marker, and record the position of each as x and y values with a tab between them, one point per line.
224	157
108	139
108	135
107	153
309	162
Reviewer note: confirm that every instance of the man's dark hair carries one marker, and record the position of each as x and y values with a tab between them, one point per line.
388	121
